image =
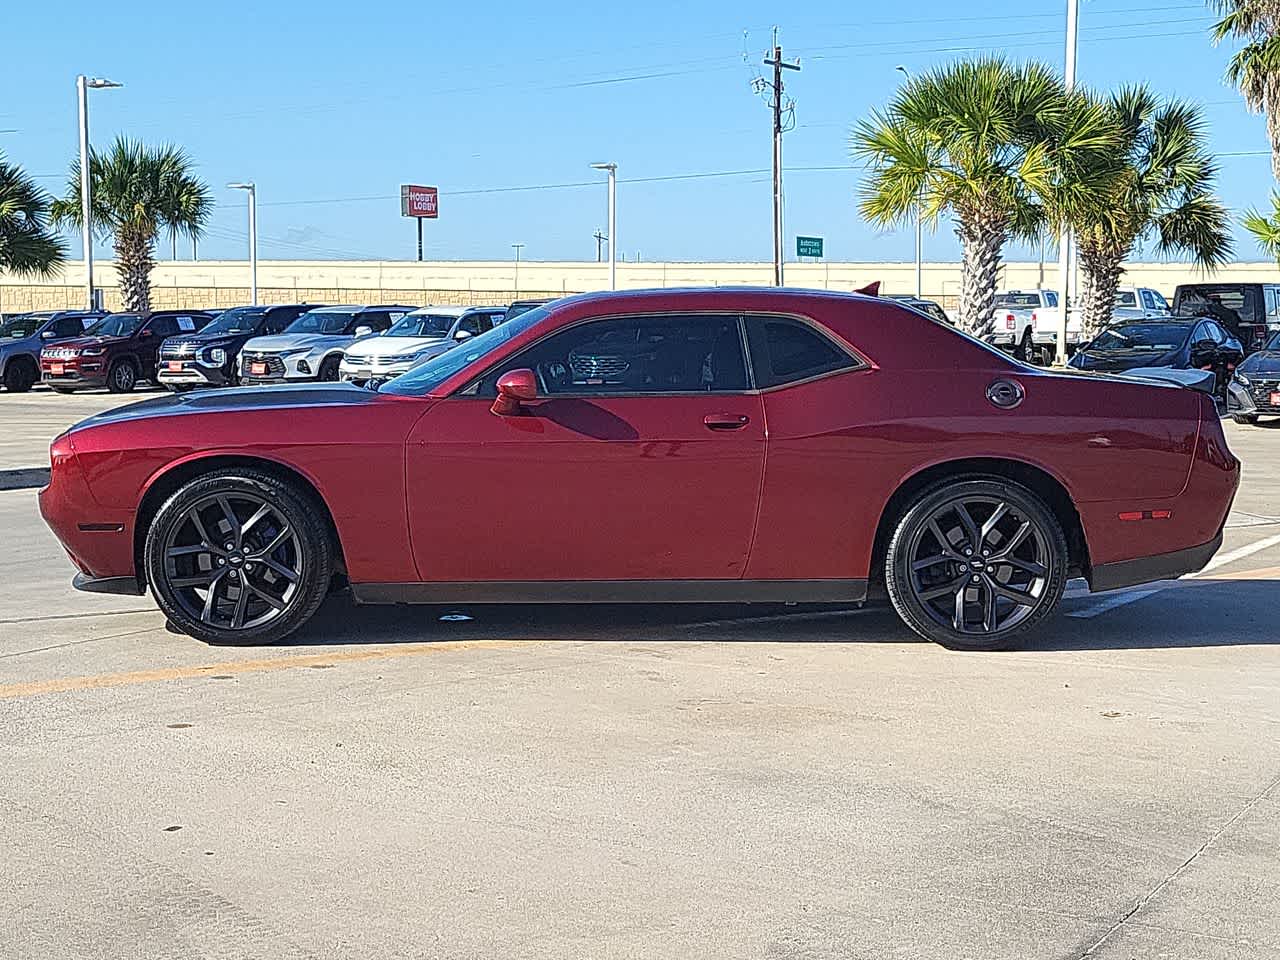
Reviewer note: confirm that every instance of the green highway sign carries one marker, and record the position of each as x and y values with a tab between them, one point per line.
808	246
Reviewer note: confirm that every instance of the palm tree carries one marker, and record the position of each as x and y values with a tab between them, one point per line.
137	192
1158	181
1255	67
1266	229
991	143
27	245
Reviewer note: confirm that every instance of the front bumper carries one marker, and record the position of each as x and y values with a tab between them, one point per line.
265	369
189	373
74	373
364	372
1254	399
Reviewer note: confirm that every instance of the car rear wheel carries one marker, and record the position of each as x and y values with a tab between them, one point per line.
122	377
239	557
1246	419
329	370
976	564
20	376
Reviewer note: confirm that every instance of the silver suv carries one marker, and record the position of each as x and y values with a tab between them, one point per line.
311	347
419	336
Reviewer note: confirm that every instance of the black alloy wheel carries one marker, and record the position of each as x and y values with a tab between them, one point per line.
20	375
239	557
975	564
329	370
122	377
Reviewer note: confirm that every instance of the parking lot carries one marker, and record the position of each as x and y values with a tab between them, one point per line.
639	782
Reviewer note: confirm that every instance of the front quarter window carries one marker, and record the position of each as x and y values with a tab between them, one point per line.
427	376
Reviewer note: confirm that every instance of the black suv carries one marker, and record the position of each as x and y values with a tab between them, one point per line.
208	359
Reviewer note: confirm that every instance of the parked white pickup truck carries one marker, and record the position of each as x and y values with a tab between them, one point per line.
1026	321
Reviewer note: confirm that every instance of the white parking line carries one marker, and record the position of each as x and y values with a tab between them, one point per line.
1232	556
1111	601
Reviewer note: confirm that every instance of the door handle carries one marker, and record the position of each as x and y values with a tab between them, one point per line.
725	421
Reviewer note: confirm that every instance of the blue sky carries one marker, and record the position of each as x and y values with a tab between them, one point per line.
329	107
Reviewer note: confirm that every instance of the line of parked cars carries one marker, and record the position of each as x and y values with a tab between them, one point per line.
186	349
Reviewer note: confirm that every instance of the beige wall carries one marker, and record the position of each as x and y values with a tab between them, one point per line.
226	283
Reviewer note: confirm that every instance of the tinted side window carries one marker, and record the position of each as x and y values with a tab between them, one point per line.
783	351
164	326
378	320
68	327
1159	300
641	355
475	323
276	320
1148	302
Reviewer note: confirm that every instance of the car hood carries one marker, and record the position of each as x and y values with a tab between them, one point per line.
1264	361
393	346
79	343
298	341
1112	360
232	399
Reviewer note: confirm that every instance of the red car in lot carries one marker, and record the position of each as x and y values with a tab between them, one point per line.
117	351
665	446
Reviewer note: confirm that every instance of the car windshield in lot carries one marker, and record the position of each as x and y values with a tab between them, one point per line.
1022	301
1141	336
236	320
425	377
422	325
116	325
321	321
1273	343
15	328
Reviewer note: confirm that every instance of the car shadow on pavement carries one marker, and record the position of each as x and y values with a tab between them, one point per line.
1168	615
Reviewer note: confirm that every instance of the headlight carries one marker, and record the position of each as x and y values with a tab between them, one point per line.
215	357
93	351
1242	379
399	358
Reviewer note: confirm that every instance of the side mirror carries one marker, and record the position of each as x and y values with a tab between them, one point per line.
48	334
146	333
515	388
363	331
462	335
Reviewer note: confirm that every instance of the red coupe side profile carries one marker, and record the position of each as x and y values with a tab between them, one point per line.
659	446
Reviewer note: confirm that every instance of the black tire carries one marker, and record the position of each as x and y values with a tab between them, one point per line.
1025	350
62	390
122	377
329	370
284	555
936	587
20	375
1245	419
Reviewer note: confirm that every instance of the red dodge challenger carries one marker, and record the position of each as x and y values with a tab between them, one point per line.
661	446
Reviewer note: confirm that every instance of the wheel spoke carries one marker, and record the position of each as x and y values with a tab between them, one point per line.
262	511
195	548
230	515
1021	598
211	598
948	550
989	608
237	617
942	589
996	516
970	528
286	532
957	620
1035	569
1014	542
199	580
280	569
194	516
268	598
928	562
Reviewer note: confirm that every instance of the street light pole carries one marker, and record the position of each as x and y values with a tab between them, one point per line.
251	189
517	247
919	221
612	169
1064	244
83	86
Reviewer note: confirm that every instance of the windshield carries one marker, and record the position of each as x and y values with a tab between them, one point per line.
23	325
427	376
518	309
422	325
1126	298
1149	337
1230	305
321	321
1273	343
1025	301
116	325
236	320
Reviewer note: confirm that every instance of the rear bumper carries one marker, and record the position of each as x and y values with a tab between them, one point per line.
1163	566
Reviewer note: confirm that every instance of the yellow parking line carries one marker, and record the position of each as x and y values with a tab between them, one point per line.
37	688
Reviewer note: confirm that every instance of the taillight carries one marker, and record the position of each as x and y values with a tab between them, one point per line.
1034	316
1010	323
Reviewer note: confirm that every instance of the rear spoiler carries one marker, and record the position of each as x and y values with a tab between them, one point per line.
1202	380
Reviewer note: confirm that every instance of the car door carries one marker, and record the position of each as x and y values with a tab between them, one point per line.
640	460
157	330
64	328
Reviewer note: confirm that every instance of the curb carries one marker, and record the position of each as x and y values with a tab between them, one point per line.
24	479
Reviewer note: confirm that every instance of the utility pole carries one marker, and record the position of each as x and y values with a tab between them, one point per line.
778	65
517	247
600	238
1064	247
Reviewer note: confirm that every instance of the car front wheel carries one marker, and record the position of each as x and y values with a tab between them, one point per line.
239	557
122	377
976	564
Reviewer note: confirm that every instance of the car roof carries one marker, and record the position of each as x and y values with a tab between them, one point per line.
440	311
